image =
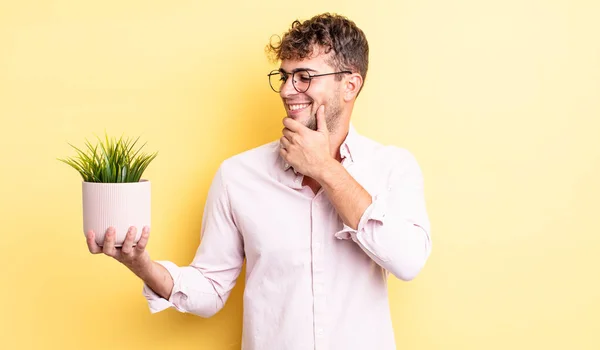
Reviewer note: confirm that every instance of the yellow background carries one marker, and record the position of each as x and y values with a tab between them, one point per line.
498	100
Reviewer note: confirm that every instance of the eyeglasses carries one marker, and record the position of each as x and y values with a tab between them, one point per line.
300	79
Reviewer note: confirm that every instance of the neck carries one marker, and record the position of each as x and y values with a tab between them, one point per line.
337	137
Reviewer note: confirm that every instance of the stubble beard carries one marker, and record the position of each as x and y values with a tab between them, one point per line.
332	115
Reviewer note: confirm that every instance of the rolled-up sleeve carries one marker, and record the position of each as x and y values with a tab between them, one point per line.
394	230
202	288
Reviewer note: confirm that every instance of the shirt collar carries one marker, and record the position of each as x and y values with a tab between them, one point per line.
349	149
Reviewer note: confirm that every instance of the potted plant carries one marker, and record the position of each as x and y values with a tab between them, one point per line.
113	191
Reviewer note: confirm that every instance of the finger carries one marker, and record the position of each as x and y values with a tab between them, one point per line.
284	154
285	143
93	247
128	242
289	134
292	137
141	244
109	242
321	120
293	125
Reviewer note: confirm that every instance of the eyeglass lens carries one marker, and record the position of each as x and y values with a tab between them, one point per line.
300	80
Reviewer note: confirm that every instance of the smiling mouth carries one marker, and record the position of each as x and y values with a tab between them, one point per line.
297	106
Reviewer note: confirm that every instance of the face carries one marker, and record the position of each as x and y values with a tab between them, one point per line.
325	90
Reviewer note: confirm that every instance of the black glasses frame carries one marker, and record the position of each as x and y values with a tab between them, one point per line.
286	76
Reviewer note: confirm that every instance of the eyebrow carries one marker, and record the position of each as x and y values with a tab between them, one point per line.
298	69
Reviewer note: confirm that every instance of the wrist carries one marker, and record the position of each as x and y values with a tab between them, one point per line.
143	270
327	171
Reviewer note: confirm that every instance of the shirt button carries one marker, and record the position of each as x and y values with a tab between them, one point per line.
320	332
317	246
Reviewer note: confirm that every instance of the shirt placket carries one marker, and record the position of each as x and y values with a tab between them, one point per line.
318	275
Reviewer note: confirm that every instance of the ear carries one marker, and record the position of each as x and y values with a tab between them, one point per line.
353	84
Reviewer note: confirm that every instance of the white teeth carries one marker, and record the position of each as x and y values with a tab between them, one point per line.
296	107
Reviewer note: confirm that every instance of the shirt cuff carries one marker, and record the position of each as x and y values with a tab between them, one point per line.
156	303
374	212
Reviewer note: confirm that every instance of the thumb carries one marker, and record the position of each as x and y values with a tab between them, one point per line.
321	121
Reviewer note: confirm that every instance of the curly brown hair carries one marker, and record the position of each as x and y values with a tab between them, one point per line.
327	32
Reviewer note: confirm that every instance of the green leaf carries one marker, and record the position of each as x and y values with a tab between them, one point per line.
110	160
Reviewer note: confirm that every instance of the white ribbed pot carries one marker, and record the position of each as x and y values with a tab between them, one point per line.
120	205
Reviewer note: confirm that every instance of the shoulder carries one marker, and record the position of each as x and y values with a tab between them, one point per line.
389	154
258	159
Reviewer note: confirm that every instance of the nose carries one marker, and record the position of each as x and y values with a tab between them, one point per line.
287	88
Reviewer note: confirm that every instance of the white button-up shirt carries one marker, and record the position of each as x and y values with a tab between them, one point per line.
312	282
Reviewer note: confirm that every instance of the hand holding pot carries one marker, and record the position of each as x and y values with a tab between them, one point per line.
136	258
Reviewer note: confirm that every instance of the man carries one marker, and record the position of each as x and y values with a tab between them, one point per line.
321	216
